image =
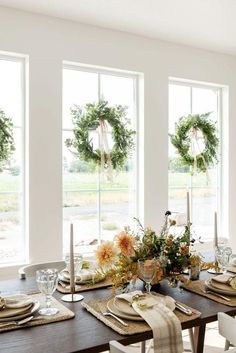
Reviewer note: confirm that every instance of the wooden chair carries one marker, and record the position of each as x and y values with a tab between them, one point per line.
227	329
30	270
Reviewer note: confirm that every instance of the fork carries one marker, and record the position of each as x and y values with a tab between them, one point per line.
207	291
116	318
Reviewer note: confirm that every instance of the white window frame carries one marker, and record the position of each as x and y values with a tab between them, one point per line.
221	211
23	60
116	73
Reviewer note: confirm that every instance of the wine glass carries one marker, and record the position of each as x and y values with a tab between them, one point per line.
147	270
47	282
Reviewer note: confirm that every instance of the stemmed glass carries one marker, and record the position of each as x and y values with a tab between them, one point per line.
223	254
78	262
47	282
147	270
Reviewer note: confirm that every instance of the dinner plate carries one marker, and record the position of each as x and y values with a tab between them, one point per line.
125	307
9	312
111	307
34	307
231	268
220	288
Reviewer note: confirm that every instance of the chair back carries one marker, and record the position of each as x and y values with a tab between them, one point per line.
30	270
227	329
116	347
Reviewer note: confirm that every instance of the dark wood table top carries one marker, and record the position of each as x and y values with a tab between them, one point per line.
85	333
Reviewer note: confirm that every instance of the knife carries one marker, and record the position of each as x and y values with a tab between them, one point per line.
183	309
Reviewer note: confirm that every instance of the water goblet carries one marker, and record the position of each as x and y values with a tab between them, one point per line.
78	262
47	282
147	270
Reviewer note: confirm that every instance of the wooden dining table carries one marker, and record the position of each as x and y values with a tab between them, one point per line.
86	334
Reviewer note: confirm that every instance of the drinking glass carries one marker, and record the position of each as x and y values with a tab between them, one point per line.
47	282
78	262
223	254
147	270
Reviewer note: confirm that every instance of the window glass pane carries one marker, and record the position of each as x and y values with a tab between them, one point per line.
98	207
78	88
12	240
203	188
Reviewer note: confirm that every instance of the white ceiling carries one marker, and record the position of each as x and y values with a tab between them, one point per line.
206	24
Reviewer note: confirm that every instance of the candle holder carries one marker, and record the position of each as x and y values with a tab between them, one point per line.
72	297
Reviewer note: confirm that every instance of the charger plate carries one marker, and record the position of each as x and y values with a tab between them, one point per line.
33	308
220	288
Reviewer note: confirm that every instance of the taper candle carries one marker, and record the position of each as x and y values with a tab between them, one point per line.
72	269
215	231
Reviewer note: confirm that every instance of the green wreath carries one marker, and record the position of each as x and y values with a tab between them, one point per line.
6	139
182	141
88	118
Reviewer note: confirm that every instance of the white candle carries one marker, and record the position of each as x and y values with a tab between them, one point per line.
188	210
72	269
215	231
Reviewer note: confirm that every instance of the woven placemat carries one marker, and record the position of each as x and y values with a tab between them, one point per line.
63	314
97	307
199	286
84	287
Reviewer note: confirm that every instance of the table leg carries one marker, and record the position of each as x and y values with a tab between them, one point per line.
199	338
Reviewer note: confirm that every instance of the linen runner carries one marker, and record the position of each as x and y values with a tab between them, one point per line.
166	327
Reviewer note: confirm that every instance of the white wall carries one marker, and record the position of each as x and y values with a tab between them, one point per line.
48	42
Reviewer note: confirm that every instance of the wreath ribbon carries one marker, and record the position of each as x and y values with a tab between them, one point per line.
104	148
194	152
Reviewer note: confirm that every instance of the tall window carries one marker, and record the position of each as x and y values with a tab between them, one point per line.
184	99
12	244
98	208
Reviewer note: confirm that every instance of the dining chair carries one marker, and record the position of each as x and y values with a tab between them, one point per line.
227	329
116	347
30	270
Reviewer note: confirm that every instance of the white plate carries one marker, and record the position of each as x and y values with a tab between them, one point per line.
219	288
34	307
124	307
111	307
9	312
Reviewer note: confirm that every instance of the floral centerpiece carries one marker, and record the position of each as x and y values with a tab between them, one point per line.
120	258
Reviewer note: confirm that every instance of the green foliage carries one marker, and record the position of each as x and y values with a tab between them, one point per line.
87	119
177	165
182	141
6	139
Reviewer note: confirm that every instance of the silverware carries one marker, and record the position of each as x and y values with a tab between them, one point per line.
207	291
115	317
183	309
17	323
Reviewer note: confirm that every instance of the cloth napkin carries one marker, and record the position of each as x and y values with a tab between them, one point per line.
225	279
166	327
15	301
83	276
